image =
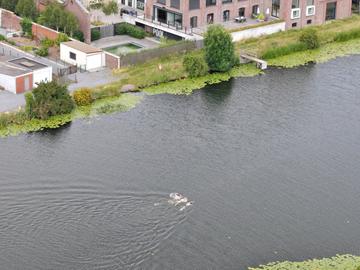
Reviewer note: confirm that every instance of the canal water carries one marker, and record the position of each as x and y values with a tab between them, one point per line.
272	164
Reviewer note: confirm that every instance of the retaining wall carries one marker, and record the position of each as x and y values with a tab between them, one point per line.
258	31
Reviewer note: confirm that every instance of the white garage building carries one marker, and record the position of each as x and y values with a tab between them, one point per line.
22	74
82	55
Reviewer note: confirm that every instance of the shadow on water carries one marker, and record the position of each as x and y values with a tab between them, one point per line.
217	94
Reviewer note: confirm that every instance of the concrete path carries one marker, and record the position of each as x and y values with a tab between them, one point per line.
10	101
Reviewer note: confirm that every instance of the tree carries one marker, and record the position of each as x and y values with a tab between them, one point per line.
8	4
26	8
48	99
219	49
26	26
71	24
110	8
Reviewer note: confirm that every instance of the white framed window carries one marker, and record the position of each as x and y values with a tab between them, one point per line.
310	10
295	13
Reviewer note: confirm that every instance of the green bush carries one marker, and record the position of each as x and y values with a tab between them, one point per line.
110	8
26	26
2	38
219	49
48	99
106	91
95	34
83	97
61	38
348	35
10	118
195	65
79	35
310	38
284	50
47	43
43	51
129	29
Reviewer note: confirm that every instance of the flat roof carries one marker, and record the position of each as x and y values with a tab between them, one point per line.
83	47
27	63
18	66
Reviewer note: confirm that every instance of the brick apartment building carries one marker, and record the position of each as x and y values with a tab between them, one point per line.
187	14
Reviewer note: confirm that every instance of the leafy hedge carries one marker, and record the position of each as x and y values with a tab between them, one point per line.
348	35
129	29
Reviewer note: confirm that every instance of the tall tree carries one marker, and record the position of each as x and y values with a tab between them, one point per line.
26	9
8	4
219	49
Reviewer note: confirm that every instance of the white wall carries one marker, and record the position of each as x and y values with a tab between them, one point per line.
94	61
9	83
42	75
258	31
86	61
65	56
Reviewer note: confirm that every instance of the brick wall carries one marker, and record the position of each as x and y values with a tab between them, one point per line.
9	20
40	32
112	61
83	16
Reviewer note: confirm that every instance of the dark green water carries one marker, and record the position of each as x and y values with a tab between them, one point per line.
271	163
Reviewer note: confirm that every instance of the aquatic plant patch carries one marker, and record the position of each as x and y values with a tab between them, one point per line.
339	262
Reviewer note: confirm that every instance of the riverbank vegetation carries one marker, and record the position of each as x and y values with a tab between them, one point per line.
339	262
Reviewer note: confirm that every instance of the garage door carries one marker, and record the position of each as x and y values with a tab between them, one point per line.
94	61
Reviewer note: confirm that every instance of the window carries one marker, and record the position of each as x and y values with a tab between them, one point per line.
210	3
194	4
295	4
255	9
275	8
72	56
226	15
294	24
295	13
175	4
308	21
331	11
210	18
242	12
163	2
226	1
310	10
140	4
193	22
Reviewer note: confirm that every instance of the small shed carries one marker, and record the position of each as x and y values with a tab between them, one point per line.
82	55
22	74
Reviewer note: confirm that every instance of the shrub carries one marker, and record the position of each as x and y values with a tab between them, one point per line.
82	97
310	38
348	35
219	49
12	118
95	34
2	38
43	51
48	99
61	38
110	8
26	26
284	50
129	29
106	91
47	43
79	35
26	9
195	65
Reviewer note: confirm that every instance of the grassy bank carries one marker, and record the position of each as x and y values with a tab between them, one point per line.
339	262
18	123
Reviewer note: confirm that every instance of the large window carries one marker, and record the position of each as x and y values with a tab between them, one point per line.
194	4
210	3
164	16
226	15
255	9
331	11
210	18
242	12
275	9
226	1
175	4
193	22
140	4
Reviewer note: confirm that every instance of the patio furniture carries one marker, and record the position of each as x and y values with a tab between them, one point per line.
240	19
